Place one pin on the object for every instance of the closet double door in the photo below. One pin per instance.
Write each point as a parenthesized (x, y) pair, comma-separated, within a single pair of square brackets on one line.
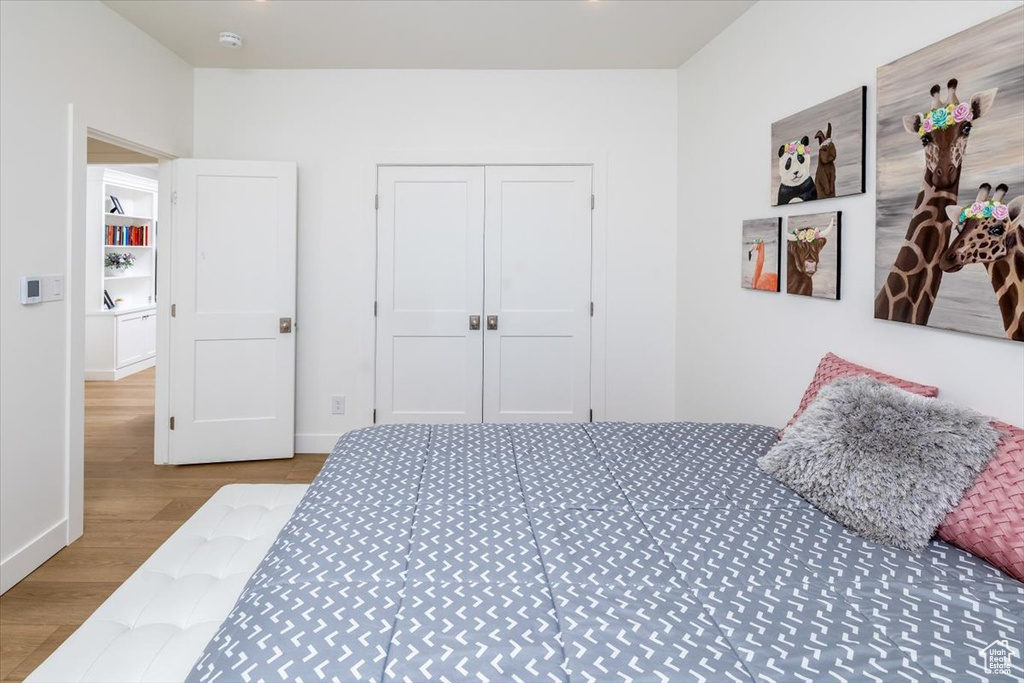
[(483, 294)]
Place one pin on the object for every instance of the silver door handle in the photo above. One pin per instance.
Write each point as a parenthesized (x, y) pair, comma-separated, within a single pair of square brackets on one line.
[(285, 325), (492, 322), (474, 322)]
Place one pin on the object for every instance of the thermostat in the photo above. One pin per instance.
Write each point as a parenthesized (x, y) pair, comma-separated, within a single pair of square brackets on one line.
[(31, 289)]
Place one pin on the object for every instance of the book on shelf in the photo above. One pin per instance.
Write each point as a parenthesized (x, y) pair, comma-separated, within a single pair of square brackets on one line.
[(127, 236)]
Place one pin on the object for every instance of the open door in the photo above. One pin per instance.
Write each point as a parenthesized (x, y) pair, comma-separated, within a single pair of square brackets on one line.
[(231, 360)]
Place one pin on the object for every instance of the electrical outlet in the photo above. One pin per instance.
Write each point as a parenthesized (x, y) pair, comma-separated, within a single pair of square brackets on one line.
[(337, 405)]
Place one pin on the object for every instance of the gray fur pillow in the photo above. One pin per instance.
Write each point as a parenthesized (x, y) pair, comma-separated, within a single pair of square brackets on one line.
[(883, 462)]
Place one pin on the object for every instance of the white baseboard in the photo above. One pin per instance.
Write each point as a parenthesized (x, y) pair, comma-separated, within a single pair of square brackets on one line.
[(28, 558), (121, 373), (315, 443)]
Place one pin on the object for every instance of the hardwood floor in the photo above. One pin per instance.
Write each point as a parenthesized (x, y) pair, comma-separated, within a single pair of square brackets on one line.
[(131, 507)]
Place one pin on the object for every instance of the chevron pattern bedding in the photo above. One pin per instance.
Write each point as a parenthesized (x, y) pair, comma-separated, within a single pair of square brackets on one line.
[(599, 552)]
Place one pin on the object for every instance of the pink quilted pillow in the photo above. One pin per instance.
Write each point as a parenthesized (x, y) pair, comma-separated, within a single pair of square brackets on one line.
[(833, 367), (989, 521)]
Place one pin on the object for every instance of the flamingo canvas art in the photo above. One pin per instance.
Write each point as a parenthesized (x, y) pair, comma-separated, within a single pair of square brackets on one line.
[(761, 254)]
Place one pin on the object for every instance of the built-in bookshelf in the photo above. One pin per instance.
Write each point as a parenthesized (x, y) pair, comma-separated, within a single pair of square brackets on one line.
[(121, 340), (113, 235)]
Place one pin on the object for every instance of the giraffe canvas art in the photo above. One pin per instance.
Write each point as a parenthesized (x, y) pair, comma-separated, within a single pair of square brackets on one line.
[(761, 254), (950, 116), (818, 153), (991, 233), (813, 254)]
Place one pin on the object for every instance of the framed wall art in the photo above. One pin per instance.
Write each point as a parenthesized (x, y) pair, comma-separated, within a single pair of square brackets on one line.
[(950, 181), (761, 255), (813, 254), (818, 153)]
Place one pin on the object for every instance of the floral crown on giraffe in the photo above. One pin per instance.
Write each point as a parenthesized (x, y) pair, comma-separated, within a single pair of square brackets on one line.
[(984, 207), (943, 116)]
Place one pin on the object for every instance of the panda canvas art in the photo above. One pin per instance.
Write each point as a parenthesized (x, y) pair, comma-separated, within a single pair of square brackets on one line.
[(818, 153)]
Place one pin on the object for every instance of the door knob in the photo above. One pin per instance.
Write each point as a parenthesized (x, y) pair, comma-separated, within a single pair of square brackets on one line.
[(285, 325), (492, 322), (474, 322)]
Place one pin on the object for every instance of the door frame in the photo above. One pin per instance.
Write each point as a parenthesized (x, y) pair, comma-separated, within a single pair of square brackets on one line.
[(596, 159), (79, 131)]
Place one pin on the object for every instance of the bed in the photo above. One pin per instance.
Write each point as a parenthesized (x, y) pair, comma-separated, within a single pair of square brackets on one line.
[(598, 552)]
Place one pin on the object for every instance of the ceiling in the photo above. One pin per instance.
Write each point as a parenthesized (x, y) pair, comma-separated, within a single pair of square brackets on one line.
[(434, 34), (102, 152)]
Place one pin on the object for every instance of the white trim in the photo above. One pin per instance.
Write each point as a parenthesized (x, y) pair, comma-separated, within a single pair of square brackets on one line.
[(74, 376), (26, 559), (120, 373), (74, 355), (162, 407), (597, 160), (315, 443), (134, 182)]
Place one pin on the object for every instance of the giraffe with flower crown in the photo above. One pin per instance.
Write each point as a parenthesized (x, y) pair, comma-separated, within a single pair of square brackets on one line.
[(912, 285), (992, 233)]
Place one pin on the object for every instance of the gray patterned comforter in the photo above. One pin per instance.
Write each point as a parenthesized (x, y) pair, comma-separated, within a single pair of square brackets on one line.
[(600, 552)]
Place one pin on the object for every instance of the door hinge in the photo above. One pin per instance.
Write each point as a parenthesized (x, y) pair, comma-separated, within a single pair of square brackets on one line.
[(591, 414), (376, 201), (591, 309), (172, 423), (592, 202), (374, 416), (174, 310), (374, 309), (174, 197)]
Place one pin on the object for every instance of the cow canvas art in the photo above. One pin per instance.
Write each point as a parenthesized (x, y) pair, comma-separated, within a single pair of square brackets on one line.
[(818, 153), (948, 235), (761, 254), (813, 254)]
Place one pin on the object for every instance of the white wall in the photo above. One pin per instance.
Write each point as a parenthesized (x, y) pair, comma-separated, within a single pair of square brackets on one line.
[(53, 54), (332, 122), (746, 355)]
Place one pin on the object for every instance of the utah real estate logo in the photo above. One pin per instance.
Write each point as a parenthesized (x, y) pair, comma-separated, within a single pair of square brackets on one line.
[(997, 657)]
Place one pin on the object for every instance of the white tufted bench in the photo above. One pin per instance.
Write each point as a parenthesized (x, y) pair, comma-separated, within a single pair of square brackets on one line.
[(155, 626)]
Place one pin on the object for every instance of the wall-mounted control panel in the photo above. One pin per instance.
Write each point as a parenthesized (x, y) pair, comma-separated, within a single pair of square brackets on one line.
[(37, 289)]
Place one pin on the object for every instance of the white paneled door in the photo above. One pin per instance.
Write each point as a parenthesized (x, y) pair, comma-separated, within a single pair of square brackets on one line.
[(430, 225), (537, 294), (483, 294), (232, 348)]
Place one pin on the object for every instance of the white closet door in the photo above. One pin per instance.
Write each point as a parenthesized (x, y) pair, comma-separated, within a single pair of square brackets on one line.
[(232, 351), (537, 283), (429, 283)]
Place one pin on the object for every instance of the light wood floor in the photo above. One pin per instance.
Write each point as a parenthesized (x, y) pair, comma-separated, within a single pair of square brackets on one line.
[(131, 507)]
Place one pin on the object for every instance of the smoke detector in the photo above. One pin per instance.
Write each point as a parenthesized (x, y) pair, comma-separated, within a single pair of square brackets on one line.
[(229, 39)]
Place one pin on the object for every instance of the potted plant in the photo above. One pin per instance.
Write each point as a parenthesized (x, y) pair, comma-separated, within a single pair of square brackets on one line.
[(118, 264)]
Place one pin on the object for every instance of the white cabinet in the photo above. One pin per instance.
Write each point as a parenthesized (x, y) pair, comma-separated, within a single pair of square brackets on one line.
[(148, 335), (131, 338), (119, 343)]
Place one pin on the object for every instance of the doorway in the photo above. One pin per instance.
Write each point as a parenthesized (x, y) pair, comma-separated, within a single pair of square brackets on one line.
[(120, 267)]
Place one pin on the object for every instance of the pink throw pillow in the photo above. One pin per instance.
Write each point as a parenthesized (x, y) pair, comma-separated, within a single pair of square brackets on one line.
[(989, 521), (832, 367)]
